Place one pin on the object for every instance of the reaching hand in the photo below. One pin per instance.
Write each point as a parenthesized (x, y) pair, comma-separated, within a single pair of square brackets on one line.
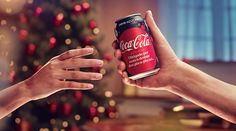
[(167, 58), (51, 77)]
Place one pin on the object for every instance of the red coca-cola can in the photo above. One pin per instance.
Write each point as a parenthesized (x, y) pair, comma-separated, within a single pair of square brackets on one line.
[(136, 45)]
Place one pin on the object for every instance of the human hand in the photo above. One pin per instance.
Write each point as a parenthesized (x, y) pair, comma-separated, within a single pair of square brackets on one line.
[(51, 77), (169, 63)]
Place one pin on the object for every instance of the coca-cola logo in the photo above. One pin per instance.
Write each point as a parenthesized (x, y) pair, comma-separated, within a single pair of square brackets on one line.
[(140, 41)]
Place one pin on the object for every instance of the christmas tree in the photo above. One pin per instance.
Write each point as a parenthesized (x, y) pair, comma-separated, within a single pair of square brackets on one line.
[(44, 29)]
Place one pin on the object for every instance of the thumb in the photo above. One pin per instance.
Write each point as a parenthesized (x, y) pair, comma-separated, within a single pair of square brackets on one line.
[(163, 50)]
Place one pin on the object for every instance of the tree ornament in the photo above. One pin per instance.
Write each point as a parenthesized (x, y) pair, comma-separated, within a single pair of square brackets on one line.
[(52, 42), (23, 34), (24, 125), (85, 7), (31, 49), (107, 57), (77, 8), (92, 24), (23, 19), (87, 40), (53, 107), (93, 111), (38, 11), (78, 96), (67, 109), (59, 19)]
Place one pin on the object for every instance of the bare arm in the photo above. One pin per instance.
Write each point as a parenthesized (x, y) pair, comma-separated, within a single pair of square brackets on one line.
[(184, 80), (50, 79), (206, 91)]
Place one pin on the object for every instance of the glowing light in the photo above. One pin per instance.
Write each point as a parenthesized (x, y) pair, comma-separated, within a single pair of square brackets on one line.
[(94, 104), (96, 31), (67, 27), (77, 8), (101, 109), (65, 124), (17, 120), (68, 41), (60, 17), (112, 103), (108, 94), (8, 10), (178, 108), (3, 22), (96, 119), (77, 117)]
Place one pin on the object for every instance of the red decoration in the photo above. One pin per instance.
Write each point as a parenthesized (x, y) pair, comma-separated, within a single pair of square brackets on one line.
[(52, 42), (24, 125), (23, 19), (67, 109), (23, 34), (38, 11), (78, 96), (12, 76), (93, 112), (53, 107), (107, 57), (85, 6), (88, 40), (31, 48), (110, 109), (77, 8), (92, 24), (59, 19)]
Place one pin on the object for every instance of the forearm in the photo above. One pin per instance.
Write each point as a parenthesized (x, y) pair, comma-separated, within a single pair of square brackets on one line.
[(12, 98), (206, 91)]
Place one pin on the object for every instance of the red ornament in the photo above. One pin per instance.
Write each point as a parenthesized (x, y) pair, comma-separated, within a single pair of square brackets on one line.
[(38, 11), (31, 48), (52, 42), (23, 19), (107, 57), (77, 8), (24, 125), (93, 112), (67, 109), (88, 40), (53, 107), (23, 34), (92, 24), (85, 6), (78, 96), (59, 19), (12, 76)]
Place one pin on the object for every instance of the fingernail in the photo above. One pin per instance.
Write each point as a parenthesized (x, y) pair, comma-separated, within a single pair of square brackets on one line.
[(90, 86), (98, 76), (100, 63), (90, 49)]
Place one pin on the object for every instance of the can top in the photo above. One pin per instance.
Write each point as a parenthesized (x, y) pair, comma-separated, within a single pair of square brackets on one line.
[(127, 17)]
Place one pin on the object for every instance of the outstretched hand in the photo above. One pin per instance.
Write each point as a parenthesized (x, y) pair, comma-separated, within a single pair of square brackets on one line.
[(51, 77)]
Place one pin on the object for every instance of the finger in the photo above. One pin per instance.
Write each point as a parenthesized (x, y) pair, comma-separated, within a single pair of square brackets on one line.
[(164, 51), (75, 53), (115, 44), (75, 85), (117, 54), (79, 63), (121, 66), (79, 75)]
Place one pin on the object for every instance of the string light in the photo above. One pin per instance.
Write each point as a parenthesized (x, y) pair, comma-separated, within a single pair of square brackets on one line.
[(112, 103), (96, 119), (67, 26), (77, 117), (3, 22), (53, 121), (65, 124), (103, 71), (68, 41), (178, 108), (94, 104), (17, 120), (108, 94), (101, 109), (96, 31), (25, 68)]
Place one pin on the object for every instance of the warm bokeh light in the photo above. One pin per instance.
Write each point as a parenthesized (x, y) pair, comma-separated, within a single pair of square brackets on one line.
[(178, 108), (11, 6)]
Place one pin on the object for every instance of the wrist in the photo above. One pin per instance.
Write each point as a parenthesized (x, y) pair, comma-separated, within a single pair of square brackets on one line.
[(25, 89)]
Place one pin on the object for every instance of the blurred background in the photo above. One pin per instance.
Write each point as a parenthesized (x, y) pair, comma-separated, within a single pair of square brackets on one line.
[(202, 33)]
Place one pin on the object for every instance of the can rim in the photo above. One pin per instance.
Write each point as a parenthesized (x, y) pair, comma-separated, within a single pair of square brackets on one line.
[(135, 14)]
